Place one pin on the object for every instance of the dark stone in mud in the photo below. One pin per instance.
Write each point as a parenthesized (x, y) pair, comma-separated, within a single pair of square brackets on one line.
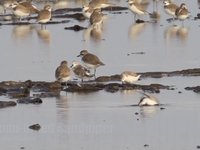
[(146, 145), (195, 89), (29, 100), (75, 28), (35, 127), (198, 146), (139, 21), (136, 113), (162, 108), (4, 104)]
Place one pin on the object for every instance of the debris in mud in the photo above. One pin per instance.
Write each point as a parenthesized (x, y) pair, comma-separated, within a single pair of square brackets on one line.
[(35, 127), (195, 89), (75, 28), (146, 145), (198, 146), (136, 113), (4, 104), (197, 17), (139, 21), (29, 100)]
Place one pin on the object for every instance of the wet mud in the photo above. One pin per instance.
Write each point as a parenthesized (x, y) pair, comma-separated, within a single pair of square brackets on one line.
[(41, 89)]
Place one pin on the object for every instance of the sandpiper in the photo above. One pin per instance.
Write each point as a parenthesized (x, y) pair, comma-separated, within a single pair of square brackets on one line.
[(44, 15), (19, 10), (7, 4), (96, 18), (91, 61), (170, 8), (33, 9), (137, 8), (80, 71), (148, 100), (182, 12), (87, 11), (129, 77), (99, 4), (63, 73)]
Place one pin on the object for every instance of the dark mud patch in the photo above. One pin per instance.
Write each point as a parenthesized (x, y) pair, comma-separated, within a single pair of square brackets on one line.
[(4, 104), (195, 89), (35, 127), (112, 84), (185, 72), (29, 100), (115, 87), (75, 28)]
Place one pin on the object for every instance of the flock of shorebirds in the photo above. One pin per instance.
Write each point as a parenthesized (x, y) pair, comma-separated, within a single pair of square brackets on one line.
[(92, 11)]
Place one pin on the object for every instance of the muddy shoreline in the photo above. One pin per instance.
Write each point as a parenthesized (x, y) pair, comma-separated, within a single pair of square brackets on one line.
[(43, 89)]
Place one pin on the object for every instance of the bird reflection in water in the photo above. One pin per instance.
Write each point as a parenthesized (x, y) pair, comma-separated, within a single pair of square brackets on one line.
[(155, 14), (44, 35), (148, 112), (136, 29), (22, 32), (93, 33), (179, 33)]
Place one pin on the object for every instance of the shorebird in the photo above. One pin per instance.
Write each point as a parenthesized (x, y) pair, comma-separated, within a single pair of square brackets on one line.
[(80, 71), (91, 61), (170, 8), (19, 10), (7, 4), (44, 15), (137, 8), (148, 100), (87, 11), (182, 12), (99, 4), (96, 18), (129, 77), (33, 9), (63, 73)]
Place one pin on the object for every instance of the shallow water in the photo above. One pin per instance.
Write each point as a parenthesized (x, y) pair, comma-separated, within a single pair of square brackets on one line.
[(101, 119)]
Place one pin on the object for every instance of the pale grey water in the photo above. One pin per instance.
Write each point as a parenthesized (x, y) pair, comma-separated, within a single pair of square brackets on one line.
[(103, 120)]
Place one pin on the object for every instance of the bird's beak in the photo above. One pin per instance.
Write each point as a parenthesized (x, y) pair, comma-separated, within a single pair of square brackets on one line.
[(79, 55)]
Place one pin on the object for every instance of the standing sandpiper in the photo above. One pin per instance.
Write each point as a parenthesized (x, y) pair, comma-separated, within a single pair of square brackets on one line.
[(96, 18), (170, 8), (91, 61), (80, 71), (44, 15), (63, 73), (182, 12), (129, 77), (137, 8)]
